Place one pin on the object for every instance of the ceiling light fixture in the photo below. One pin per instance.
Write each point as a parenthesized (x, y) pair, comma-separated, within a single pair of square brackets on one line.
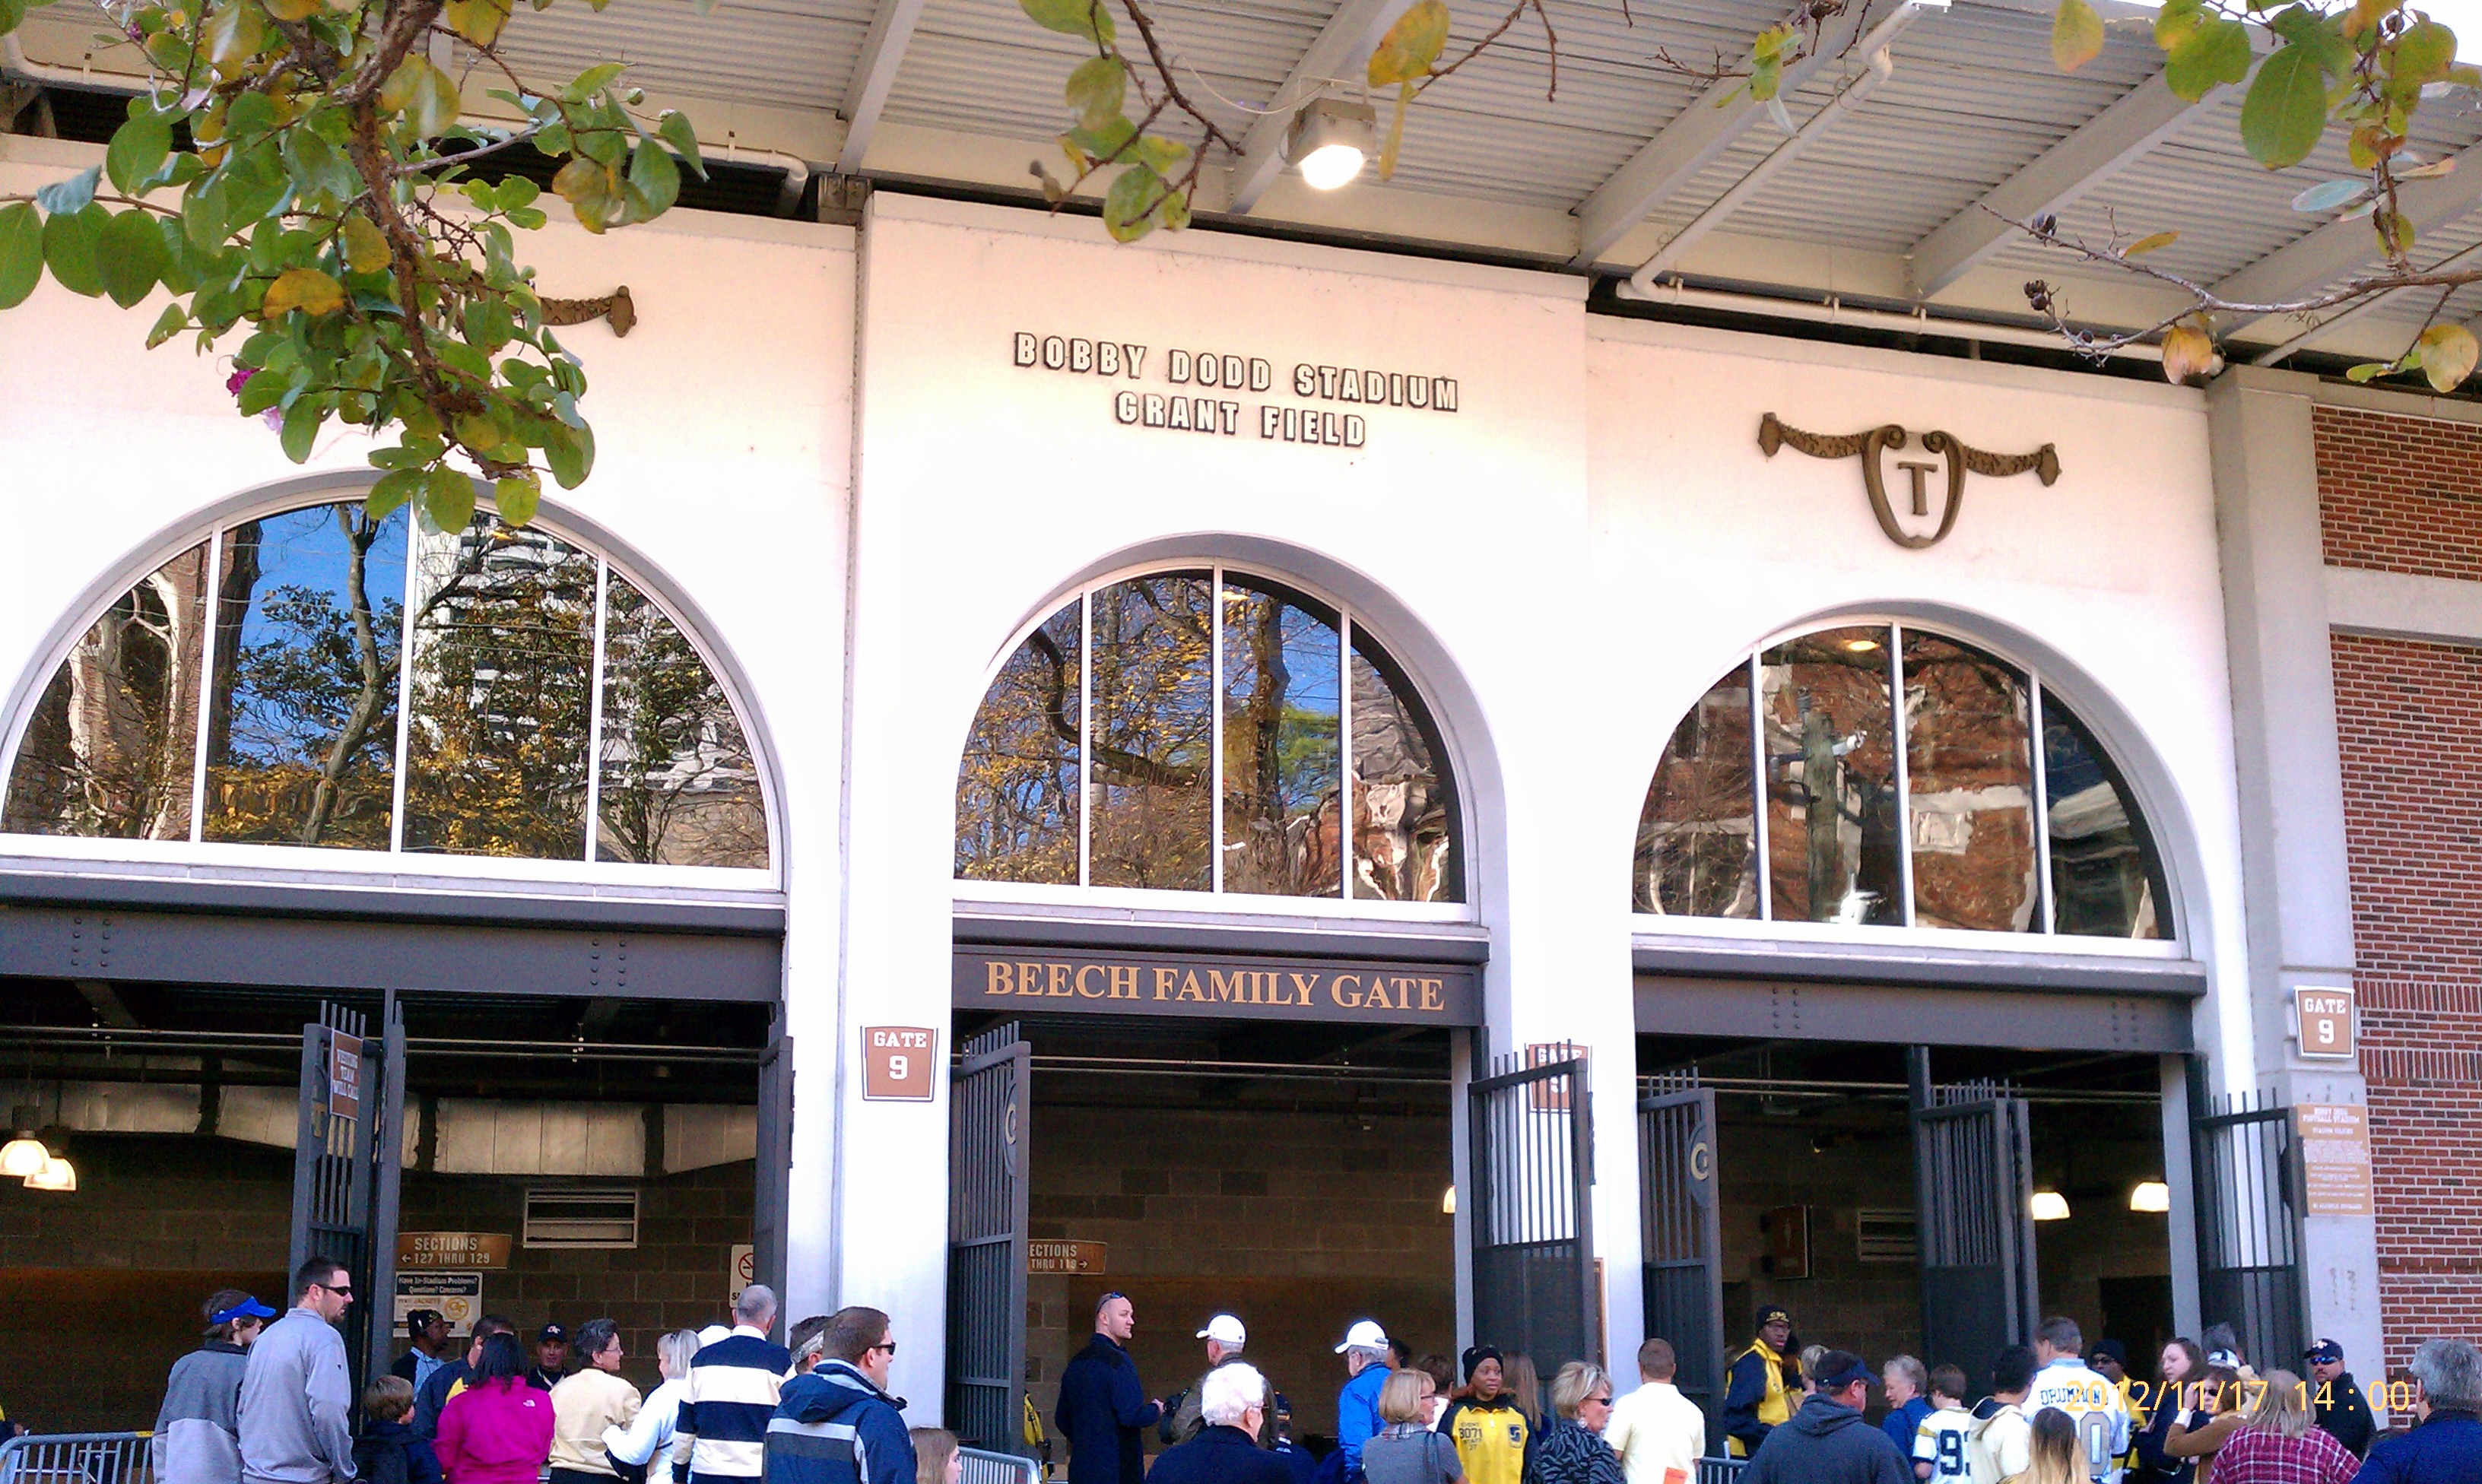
[(2050, 1206), (1448, 1202), (57, 1174), (25, 1154), (1329, 140), (2150, 1195)]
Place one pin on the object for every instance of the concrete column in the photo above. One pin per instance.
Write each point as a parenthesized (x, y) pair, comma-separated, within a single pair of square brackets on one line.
[(2296, 884)]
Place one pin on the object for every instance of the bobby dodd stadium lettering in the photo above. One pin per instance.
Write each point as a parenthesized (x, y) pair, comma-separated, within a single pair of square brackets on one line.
[(1022, 981)]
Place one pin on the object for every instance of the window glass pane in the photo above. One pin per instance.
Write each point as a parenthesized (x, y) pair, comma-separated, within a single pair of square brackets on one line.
[(1403, 803), (111, 748), (677, 785), (1970, 772), (503, 656), (1831, 778), (1283, 774), (302, 714), (1695, 838), (1153, 734), (1016, 787), (2106, 880)]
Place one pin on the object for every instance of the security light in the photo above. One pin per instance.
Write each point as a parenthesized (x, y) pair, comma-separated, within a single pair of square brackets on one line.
[(2050, 1206), (1448, 1202), (57, 1174), (2150, 1195), (1329, 140)]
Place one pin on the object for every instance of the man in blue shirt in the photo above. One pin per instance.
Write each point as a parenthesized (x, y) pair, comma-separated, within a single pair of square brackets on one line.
[(1357, 1406)]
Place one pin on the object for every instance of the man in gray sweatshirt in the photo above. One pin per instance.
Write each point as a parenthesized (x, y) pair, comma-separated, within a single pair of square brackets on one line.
[(297, 1396)]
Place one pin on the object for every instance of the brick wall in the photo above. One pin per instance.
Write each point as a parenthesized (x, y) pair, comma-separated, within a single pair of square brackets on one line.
[(2400, 494)]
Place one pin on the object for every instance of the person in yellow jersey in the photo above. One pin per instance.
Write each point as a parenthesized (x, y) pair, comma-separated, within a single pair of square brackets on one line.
[(1494, 1443), (1764, 1386)]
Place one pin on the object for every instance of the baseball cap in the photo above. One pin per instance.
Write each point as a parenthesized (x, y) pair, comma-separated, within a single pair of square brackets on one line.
[(1838, 1369), (247, 1309), (1365, 1335), (1225, 1329), (420, 1319), (2326, 1352), (552, 1332), (1770, 1315)]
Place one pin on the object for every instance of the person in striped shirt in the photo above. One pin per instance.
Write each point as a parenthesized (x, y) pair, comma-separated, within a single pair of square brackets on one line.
[(734, 1384)]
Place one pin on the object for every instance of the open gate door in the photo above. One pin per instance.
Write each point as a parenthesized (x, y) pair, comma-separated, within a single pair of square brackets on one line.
[(1532, 1143), (772, 1203), (988, 1112), (1682, 1231), (347, 1154), (1973, 1190), (2248, 1224)]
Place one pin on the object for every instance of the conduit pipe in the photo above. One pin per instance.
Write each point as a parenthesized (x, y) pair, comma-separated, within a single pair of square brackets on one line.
[(1834, 311)]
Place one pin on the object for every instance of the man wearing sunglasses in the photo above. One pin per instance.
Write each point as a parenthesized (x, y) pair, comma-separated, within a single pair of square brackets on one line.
[(297, 1397), (836, 1423)]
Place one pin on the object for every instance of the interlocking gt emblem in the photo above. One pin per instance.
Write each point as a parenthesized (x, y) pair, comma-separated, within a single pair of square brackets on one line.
[(1954, 456)]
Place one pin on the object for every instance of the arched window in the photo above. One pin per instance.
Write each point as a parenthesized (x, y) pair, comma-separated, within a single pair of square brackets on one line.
[(1182, 731), (549, 709), (1798, 789)]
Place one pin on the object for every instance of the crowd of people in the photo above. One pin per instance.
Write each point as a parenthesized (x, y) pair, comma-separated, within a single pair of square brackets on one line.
[(262, 1402)]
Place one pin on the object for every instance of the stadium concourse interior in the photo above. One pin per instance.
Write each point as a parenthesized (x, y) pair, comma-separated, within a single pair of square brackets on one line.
[(607, 1143), (1294, 1175), (1814, 1160)]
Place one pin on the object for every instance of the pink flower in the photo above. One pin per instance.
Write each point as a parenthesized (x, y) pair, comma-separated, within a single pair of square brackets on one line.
[(238, 380)]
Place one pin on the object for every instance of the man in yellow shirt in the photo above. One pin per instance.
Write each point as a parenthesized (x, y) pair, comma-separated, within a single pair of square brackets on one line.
[(1764, 1386), (1494, 1441)]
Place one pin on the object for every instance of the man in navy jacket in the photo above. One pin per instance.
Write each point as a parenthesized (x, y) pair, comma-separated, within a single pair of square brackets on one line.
[(836, 1423), (1102, 1408), (2445, 1446)]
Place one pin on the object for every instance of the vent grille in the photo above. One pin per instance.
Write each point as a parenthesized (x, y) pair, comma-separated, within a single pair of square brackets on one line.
[(581, 1218), (1886, 1237)]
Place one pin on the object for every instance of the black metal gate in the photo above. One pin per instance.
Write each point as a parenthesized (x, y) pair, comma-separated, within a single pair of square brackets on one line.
[(1532, 1144), (771, 1201), (988, 1110), (1680, 1229), (348, 1152), (1973, 1194), (2248, 1225)]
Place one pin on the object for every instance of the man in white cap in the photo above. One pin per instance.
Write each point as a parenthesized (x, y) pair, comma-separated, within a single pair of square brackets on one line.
[(1225, 1339), (1357, 1406)]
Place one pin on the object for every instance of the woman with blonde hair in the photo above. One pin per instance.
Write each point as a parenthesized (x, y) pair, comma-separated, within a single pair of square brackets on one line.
[(935, 1459), (1572, 1450), (646, 1442), (1407, 1451), (2054, 1446), (2281, 1445)]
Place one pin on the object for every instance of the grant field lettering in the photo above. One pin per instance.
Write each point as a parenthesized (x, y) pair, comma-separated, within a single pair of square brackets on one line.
[(1150, 984), (1227, 372)]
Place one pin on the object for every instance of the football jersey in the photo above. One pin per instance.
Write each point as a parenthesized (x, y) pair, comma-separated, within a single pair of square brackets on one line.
[(2094, 1404), (1940, 1441)]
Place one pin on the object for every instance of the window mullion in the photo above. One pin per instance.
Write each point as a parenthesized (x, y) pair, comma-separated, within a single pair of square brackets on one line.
[(1085, 736), (210, 604), (1759, 783), (1215, 728), (2042, 801), (1901, 731), (594, 711), (1344, 841), (404, 629)]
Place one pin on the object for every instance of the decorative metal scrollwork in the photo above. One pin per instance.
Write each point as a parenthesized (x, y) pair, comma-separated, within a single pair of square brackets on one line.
[(1953, 453)]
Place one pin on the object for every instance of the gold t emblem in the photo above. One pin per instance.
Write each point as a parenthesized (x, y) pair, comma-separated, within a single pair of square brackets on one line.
[(1953, 460)]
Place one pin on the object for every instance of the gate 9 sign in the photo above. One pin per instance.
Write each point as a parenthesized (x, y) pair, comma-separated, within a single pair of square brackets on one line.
[(897, 1062)]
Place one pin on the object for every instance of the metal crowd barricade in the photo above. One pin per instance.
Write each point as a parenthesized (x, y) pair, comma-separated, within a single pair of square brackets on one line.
[(1710, 1471), (982, 1466), (77, 1458)]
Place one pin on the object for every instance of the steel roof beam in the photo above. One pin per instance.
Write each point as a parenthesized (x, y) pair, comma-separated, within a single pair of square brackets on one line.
[(1348, 36), (2099, 149), (882, 53), (2317, 259)]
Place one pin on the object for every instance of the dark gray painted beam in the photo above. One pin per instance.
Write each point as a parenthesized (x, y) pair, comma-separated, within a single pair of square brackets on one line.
[(60, 888), (1861, 964), (1456, 944), (2023, 1019)]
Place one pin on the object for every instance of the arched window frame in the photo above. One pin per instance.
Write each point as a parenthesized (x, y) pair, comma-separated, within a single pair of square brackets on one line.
[(2039, 682), (324, 862), (1216, 901)]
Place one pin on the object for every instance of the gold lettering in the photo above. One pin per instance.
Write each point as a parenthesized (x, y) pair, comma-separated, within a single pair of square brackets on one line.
[(1124, 982), (1336, 990), (1029, 978), (1305, 983), (1058, 981), (1163, 982), (996, 980), (1083, 993), (1234, 988), (1189, 989), (1431, 999)]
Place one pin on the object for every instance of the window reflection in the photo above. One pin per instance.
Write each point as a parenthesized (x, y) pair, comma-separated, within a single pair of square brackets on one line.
[(677, 786), (111, 749), (503, 656), (302, 713), (2106, 880), (1831, 778), (1017, 786), (1283, 770), (1970, 781), (1403, 806), (1149, 814), (1696, 838)]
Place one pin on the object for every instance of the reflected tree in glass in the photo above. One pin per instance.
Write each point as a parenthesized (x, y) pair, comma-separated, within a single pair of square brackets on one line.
[(301, 712), (1149, 817), (1969, 780), (111, 748), (1831, 797), (2106, 879), (1403, 803), (1697, 835), (677, 786), (1283, 770), (503, 656), (1016, 784)]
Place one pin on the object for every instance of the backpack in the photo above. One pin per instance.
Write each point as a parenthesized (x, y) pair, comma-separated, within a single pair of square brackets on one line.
[(1337, 1468)]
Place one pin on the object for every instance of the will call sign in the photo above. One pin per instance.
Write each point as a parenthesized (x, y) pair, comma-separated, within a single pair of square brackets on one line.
[(1048, 981), (1207, 388)]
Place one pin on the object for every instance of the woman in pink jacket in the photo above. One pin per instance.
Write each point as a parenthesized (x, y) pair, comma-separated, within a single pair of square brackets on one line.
[(498, 1429)]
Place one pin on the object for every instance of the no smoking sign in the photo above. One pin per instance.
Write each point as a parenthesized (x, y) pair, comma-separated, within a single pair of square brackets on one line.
[(897, 1062)]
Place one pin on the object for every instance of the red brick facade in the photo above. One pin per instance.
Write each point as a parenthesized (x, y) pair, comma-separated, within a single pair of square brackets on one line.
[(2409, 717)]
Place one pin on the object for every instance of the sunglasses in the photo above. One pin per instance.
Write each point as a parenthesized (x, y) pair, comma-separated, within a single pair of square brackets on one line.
[(345, 1288), (887, 1345)]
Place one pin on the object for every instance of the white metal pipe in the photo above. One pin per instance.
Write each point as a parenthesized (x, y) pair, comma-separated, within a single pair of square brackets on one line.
[(16, 64), (1833, 312)]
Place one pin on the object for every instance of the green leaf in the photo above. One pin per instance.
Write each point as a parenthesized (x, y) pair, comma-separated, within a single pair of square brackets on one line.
[(1411, 46), (64, 196), (366, 249), (424, 95), (1163, 156), (301, 430), (393, 489), (592, 80), (1766, 75), (1129, 206), (656, 178), (2216, 52), (516, 194), (21, 254), (2448, 352), (675, 129), (1086, 18), (2423, 53), (306, 289), (447, 501), (2076, 35), (2369, 370), (69, 242), (174, 318), (592, 189), (2285, 110), (2316, 33), (260, 392), (517, 498), (2329, 195), (233, 34), (2176, 20), (1098, 88), (137, 151), (571, 453), (130, 256)]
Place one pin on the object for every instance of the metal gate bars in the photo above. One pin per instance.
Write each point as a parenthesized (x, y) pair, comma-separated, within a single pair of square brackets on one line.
[(346, 1154), (987, 1108), (1533, 1256), (2248, 1224), (1680, 1228), (1973, 1194)]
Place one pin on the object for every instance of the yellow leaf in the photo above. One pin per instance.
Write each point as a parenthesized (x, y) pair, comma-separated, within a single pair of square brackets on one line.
[(2149, 243), (2435, 167), (592, 191), (2366, 13), (2076, 35), (1395, 141), (306, 289), (366, 252), (2188, 351), (478, 21), (292, 9), (1412, 45), (2448, 352)]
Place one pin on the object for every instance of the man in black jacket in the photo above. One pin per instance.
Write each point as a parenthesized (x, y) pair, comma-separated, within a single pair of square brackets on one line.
[(2340, 1407), (1232, 1402), (1102, 1408), (1827, 1442)]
